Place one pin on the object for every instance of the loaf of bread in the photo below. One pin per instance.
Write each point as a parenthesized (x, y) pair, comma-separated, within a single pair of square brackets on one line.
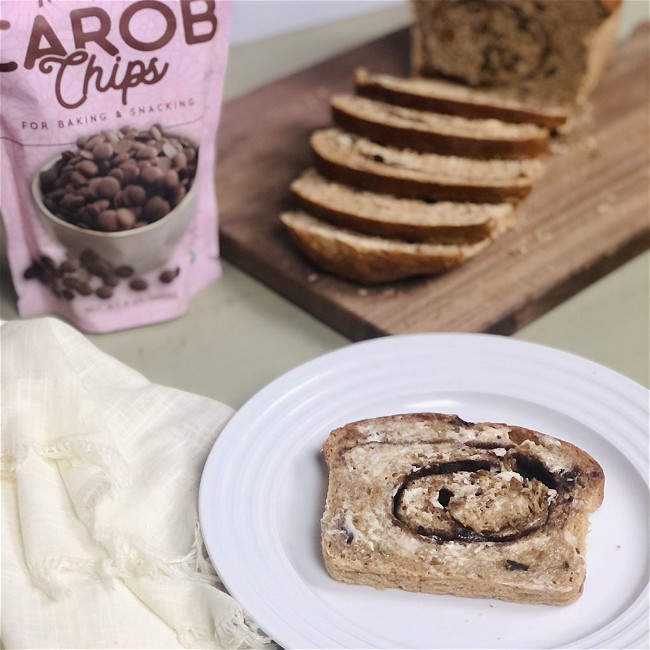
[(403, 182), (545, 52), (446, 97), (408, 128), (384, 215), (370, 260), (354, 160), (431, 503)]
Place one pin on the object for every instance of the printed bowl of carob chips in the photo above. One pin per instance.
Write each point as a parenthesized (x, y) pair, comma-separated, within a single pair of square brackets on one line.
[(124, 197)]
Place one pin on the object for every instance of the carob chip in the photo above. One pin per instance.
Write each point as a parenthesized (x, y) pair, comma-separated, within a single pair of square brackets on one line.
[(111, 171), (87, 274), (138, 284), (168, 275), (512, 565)]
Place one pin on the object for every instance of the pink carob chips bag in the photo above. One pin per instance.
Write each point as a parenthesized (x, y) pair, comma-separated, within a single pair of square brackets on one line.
[(108, 126)]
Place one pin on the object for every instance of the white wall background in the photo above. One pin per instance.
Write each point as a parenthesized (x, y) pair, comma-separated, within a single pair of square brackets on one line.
[(258, 19)]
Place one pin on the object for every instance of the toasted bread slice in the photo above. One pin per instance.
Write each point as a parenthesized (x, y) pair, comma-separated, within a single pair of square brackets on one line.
[(431, 503)]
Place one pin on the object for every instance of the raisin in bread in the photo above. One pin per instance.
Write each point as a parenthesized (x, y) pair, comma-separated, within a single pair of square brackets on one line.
[(354, 160), (409, 128), (431, 503), (545, 52), (367, 259), (446, 97), (385, 215)]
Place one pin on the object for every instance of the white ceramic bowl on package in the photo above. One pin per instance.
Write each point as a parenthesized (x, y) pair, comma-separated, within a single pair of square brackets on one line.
[(144, 249)]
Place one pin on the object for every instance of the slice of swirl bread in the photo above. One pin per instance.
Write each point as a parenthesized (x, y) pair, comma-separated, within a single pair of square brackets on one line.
[(431, 503), (446, 97), (408, 128), (371, 260), (353, 160), (384, 215)]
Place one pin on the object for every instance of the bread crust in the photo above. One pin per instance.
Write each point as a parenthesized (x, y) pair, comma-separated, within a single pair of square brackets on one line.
[(483, 107), (384, 215), (334, 162), (382, 181), (383, 131), (611, 5), (371, 260), (431, 503)]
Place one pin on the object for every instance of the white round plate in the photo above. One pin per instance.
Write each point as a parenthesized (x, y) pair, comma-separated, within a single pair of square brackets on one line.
[(263, 493)]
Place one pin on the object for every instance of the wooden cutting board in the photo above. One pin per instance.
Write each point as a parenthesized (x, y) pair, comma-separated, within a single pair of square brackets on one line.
[(585, 217)]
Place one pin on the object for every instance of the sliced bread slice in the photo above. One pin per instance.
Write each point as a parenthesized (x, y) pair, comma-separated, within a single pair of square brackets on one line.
[(385, 215), (409, 128), (431, 503), (450, 98), (353, 160), (370, 260)]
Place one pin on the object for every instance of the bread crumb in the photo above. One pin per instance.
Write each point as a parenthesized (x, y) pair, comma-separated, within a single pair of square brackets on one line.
[(591, 145), (543, 237), (557, 147), (520, 249), (313, 277)]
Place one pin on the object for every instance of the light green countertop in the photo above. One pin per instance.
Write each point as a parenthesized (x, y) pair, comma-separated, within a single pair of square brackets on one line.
[(238, 335)]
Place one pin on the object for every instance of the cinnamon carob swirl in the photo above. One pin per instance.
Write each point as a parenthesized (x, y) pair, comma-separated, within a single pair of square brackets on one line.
[(428, 502)]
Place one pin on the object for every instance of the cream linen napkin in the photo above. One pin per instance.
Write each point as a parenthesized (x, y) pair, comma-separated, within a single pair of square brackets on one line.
[(101, 544)]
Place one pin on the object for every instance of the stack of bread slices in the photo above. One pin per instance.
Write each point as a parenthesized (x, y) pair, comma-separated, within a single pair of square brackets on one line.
[(415, 177)]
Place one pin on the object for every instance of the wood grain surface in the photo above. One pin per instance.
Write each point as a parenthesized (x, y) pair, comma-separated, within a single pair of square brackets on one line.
[(588, 214)]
